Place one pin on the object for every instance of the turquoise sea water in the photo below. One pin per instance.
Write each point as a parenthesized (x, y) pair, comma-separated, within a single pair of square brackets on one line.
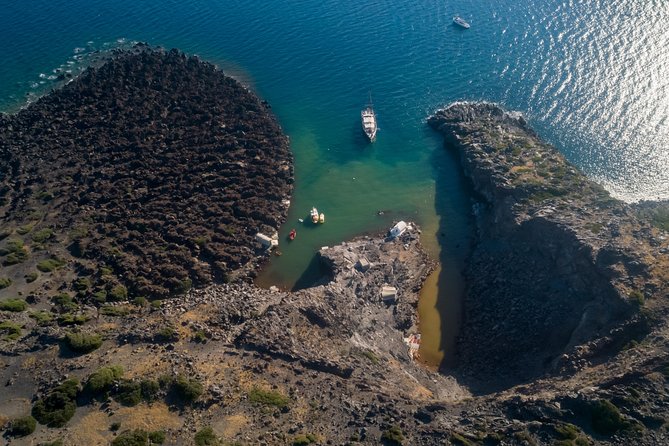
[(591, 76)]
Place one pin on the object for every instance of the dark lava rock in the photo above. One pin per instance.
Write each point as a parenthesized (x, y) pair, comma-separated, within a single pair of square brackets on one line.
[(155, 163), (557, 263)]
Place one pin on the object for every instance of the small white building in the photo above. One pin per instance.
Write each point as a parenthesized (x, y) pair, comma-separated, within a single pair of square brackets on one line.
[(388, 294), (363, 264), (398, 229), (266, 242)]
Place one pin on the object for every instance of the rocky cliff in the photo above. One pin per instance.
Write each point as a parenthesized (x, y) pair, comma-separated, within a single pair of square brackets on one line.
[(559, 268)]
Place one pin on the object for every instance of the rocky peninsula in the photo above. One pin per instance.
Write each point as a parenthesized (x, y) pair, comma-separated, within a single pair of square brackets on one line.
[(130, 201)]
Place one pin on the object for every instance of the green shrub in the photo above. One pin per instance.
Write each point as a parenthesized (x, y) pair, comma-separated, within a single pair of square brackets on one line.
[(371, 356), (11, 330), (42, 235), (304, 439), (109, 310), (62, 299), (165, 381), (53, 443), (166, 334), (568, 431), (13, 304), (129, 393), (100, 296), (15, 258), (5, 282), (200, 337), (456, 439), (23, 230), (637, 298), (140, 301), (187, 389), (31, 277), (392, 435), (42, 317), (102, 379), (157, 437), (137, 437), (105, 271), (115, 426), (118, 293), (14, 251), (82, 284), (22, 426), (149, 389), (49, 265), (155, 304), (606, 418), (206, 437), (44, 195), (184, 286), (67, 319), (83, 342), (268, 398), (56, 409)]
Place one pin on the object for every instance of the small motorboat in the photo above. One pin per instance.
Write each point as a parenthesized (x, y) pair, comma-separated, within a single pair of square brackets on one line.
[(292, 234), (314, 215), (460, 22), (301, 220), (321, 218)]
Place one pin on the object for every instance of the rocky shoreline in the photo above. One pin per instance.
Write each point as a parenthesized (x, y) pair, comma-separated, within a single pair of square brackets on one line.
[(154, 164), (564, 339)]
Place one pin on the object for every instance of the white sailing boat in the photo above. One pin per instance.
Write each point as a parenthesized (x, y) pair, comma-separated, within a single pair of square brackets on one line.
[(369, 121)]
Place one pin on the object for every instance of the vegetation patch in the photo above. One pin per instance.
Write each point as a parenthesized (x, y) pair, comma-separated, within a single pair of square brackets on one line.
[(82, 284), (371, 356), (392, 436), (109, 310), (49, 265), (62, 299), (14, 252), (149, 389), (5, 282), (69, 319), (268, 398), (129, 393), (118, 293), (25, 229), (206, 437), (305, 439), (157, 437), (22, 426), (637, 298), (10, 330), (13, 304), (135, 437), (187, 389), (42, 317), (42, 235), (606, 418), (166, 334), (81, 342), (56, 409), (31, 277), (102, 379)]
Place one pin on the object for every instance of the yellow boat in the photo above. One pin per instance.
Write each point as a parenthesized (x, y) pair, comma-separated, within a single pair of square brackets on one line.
[(321, 218)]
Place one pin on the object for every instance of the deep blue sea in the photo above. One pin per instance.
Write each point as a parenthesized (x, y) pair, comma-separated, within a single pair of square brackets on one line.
[(591, 76)]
